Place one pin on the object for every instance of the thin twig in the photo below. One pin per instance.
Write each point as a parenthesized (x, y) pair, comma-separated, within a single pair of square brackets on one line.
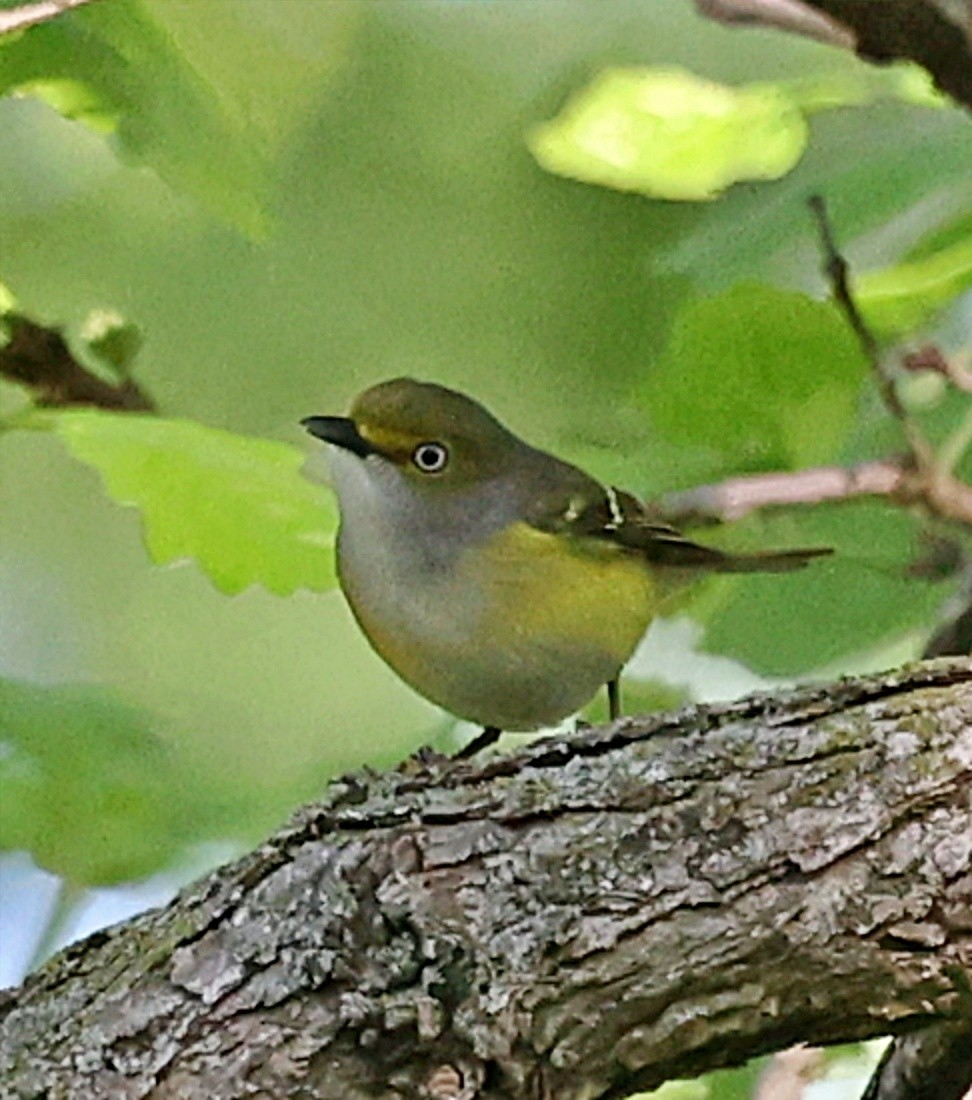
[(836, 268), (951, 451), (737, 497), (893, 479), (930, 480), (956, 368), (29, 15), (787, 15)]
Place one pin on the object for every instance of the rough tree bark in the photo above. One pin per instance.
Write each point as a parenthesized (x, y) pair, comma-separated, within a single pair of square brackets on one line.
[(589, 916)]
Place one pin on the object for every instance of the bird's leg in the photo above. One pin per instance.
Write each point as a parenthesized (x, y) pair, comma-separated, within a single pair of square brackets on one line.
[(489, 736), (614, 699)]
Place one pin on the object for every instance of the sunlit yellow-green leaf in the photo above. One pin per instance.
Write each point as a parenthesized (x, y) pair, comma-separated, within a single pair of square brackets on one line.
[(74, 100), (899, 299), (669, 134), (860, 87), (236, 505), (8, 303)]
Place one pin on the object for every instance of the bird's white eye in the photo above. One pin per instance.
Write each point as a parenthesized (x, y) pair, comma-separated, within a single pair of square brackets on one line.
[(430, 458)]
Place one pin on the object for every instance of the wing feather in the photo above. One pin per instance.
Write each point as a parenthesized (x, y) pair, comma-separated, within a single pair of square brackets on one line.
[(589, 510)]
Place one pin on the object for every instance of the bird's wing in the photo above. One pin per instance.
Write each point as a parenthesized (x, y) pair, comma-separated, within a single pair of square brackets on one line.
[(590, 510)]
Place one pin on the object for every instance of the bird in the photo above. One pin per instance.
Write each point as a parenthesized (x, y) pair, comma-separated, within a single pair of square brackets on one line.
[(501, 583)]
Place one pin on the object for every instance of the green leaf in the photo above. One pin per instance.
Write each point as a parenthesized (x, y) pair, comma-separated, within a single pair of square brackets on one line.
[(8, 305), (763, 377), (911, 154), (637, 697), (863, 85), (115, 68), (728, 1084), (669, 134), (677, 1090), (237, 505), (85, 785), (835, 608), (901, 298), (953, 231), (735, 1084)]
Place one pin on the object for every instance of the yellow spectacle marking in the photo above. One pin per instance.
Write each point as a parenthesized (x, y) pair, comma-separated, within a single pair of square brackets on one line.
[(388, 441)]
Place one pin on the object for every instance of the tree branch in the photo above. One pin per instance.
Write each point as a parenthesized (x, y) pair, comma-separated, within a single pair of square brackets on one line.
[(592, 915), (837, 271), (938, 493), (39, 358), (786, 15), (919, 477), (738, 497), (935, 33), (30, 15), (934, 1064)]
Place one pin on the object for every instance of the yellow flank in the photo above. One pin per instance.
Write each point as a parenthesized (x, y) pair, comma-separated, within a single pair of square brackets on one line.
[(589, 593), (524, 630)]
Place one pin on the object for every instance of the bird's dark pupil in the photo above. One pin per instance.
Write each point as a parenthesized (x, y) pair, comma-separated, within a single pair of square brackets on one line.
[(430, 457)]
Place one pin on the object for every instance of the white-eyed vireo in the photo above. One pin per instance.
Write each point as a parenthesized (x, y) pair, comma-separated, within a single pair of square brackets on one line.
[(499, 582)]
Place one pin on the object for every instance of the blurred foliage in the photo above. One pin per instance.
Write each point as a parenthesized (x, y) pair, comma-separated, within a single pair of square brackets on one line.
[(88, 787), (679, 1090), (235, 505), (900, 299), (761, 378), (666, 133), (730, 1084), (276, 203), (854, 601), (637, 697), (115, 68), (841, 1077)]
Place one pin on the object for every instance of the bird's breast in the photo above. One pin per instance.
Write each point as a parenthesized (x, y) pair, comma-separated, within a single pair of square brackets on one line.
[(517, 632)]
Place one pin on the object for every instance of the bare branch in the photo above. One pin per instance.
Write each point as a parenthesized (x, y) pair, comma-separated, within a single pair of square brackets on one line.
[(931, 482), (30, 15), (39, 358), (836, 267), (786, 15), (936, 34), (936, 491), (933, 1064), (931, 358), (737, 497), (918, 478)]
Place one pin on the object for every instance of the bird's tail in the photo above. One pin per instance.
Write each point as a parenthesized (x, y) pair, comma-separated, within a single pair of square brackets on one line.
[(673, 549), (767, 561)]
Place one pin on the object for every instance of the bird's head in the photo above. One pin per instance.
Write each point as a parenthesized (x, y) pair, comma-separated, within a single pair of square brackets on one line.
[(436, 438)]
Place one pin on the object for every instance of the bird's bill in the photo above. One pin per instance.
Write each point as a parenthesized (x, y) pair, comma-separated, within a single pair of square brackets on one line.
[(341, 432)]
